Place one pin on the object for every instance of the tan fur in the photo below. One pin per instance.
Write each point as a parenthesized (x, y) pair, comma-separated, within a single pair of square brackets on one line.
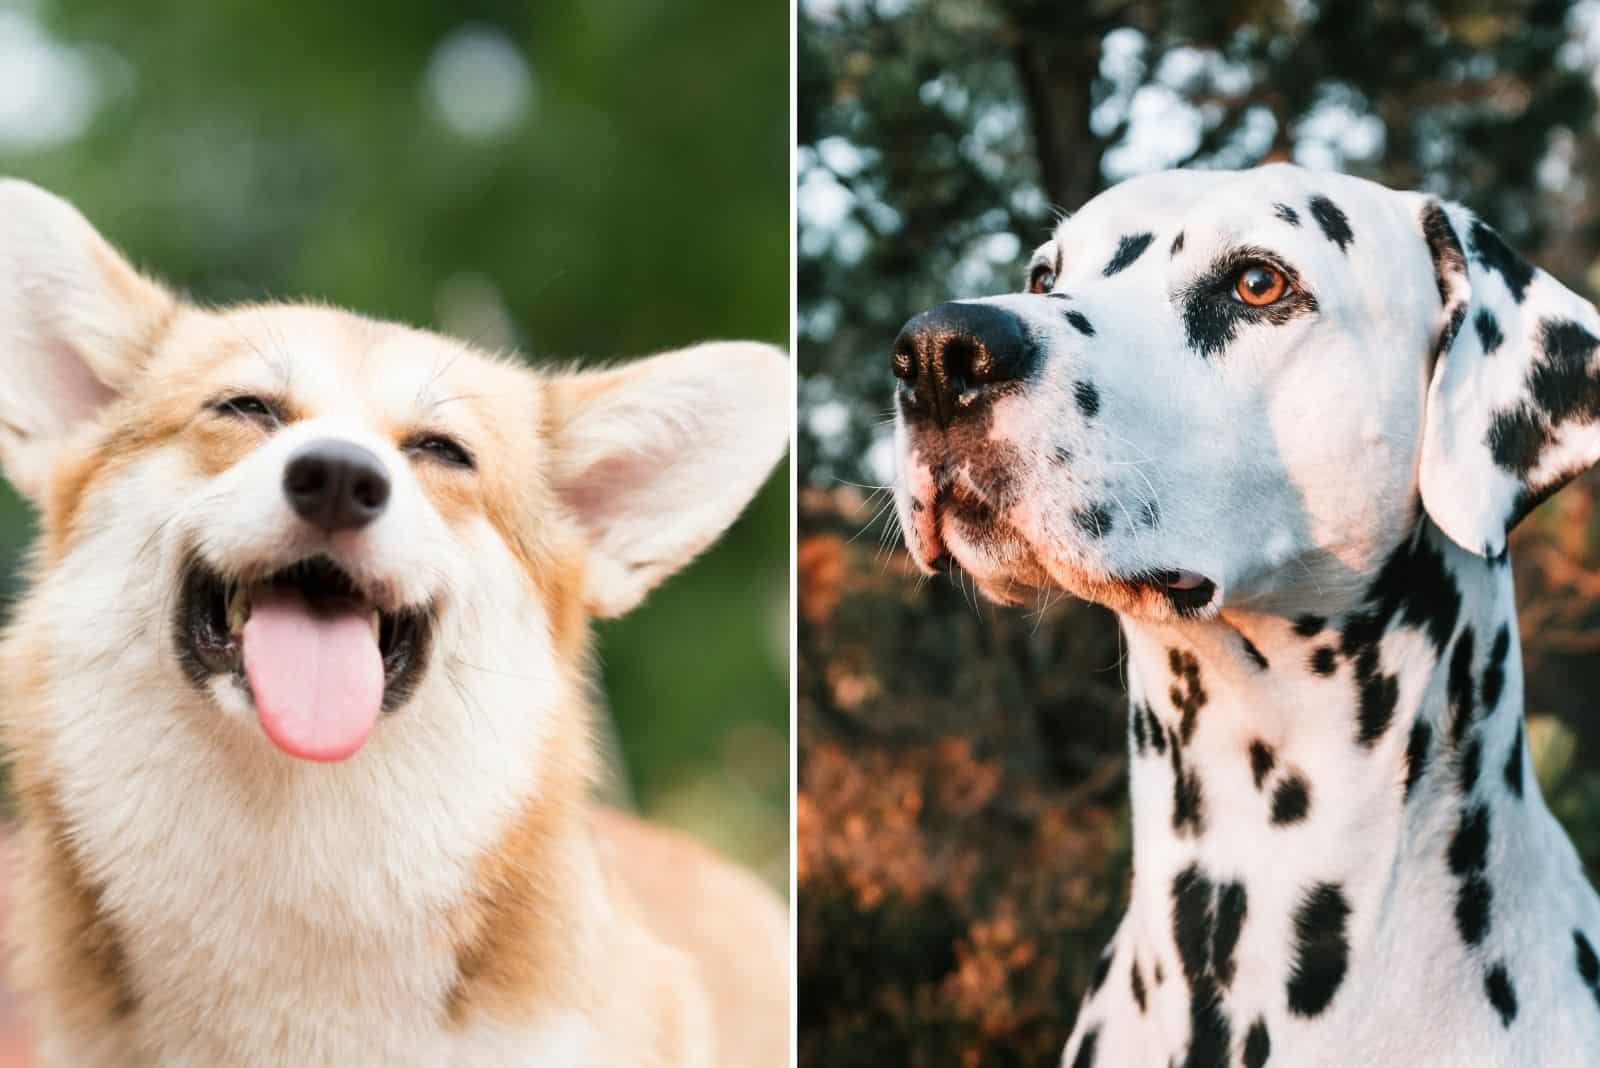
[(567, 929), (667, 880), (511, 934), (74, 947)]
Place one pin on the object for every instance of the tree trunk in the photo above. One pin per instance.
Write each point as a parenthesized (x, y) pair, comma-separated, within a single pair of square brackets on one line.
[(1056, 74)]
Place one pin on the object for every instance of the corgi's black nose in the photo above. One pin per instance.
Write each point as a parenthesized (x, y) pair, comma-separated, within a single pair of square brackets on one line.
[(945, 356), (337, 485)]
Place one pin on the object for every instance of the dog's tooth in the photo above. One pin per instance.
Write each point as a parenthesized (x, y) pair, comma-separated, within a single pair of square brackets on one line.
[(377, 622), (238, 608)]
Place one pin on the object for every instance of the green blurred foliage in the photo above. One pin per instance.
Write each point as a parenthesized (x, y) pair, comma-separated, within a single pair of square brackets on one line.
[(961, 790), (598, 179)]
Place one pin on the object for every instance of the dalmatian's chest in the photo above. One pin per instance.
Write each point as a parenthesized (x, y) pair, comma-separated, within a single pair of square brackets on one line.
[(1341, 855)]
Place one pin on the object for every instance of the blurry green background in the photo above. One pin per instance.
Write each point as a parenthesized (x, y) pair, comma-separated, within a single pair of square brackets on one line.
[(962, 825), (586, 179)]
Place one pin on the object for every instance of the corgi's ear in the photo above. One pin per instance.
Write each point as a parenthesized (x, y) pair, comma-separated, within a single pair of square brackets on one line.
[(76, 323), (657, 457), (1513, 408)]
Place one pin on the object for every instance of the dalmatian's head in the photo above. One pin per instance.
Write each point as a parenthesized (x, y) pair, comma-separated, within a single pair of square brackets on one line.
[(1233, 389)]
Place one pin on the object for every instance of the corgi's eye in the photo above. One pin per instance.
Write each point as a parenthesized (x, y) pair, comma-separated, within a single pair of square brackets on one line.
[(441, 448), (251, 407)]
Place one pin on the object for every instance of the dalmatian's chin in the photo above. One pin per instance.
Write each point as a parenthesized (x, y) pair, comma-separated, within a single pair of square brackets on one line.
[(1001, 564), (1007, 567), (1156, 593)]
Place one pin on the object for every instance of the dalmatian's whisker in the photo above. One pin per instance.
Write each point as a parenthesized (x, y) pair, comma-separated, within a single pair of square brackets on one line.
[(886, 506), (1127, 516), (1139, 466), (873, 486)]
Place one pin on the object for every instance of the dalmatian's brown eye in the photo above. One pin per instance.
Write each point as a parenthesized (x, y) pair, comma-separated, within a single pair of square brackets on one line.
[(1259, 285), (1041, 279)]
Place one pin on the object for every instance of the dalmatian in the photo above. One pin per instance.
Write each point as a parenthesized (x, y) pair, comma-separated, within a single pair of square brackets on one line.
[(1281, 422)]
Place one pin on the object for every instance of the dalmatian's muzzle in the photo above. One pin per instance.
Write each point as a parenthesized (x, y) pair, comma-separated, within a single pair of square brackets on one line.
[(953, 363)]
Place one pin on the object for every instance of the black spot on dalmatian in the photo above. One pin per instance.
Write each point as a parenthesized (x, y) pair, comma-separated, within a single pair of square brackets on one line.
[(1377, 694), (1062, 455), (1417, 754), (1136, 726), (1309, 626), (1469, 846), (1335, 224), (1137, 982), (1232, 905), (1291, 801), (1449, 273), (1254, 654), (1414, 588), (1471, 764), (1416, 584), (1287, 214), (1094, 521), (1473, 901), (1469, 857), (1210, 1033), (1192, 920), (1150, 515), (1458, 687), (1321, 949), (1513, 769), (1160, 975), (1488, 331), (1561, 387), (1588, 962), (1205, 927), (1177, 244), (1188, 696), (1088, 398), (1494, 672), (1261, 761), (1213, 315), (1188, 801), (1493, 254), (1322, 660), (1130, 248), (1158, 737), (1447, 334), (1497, 984), (1079, 322), (1085, 1057), (1257, 1044), (1444, 247)]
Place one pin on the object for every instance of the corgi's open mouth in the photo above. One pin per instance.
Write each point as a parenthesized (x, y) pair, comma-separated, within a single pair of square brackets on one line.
[(319, 660)]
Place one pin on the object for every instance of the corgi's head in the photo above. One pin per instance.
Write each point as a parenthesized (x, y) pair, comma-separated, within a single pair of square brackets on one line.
[(304, 518)]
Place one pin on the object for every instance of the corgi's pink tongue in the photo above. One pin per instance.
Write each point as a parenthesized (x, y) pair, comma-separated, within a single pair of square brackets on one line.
[(316, 674)]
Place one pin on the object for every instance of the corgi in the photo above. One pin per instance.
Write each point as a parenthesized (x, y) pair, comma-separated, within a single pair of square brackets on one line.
[(295, 696)]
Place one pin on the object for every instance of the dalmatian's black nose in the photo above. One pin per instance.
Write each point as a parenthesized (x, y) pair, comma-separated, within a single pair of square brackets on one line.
[(947, 355)]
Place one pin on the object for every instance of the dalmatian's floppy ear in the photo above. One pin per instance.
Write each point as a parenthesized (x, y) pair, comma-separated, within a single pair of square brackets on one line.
[(1513, 408)]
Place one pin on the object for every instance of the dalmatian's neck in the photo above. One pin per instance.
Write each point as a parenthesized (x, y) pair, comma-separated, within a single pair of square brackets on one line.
[(1335, 823)]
